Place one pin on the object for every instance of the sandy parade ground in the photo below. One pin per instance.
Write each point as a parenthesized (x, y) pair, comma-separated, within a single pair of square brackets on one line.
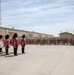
[(38, 60)]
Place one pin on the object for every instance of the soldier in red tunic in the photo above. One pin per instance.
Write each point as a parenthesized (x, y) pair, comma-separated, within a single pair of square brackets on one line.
[(7, 43), (23, 42), (15, 43)]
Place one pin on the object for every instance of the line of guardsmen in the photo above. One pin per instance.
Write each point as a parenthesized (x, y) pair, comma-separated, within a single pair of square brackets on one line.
[(14, 42), (50, 41)]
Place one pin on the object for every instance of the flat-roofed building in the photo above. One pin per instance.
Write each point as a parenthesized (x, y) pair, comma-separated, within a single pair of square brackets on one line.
[(67, 35), (29, 35)]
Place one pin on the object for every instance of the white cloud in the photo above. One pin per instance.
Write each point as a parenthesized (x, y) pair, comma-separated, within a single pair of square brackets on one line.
[(33, 16)]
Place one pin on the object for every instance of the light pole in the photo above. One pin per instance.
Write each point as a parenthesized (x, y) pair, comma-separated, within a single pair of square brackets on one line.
[(0, 15)]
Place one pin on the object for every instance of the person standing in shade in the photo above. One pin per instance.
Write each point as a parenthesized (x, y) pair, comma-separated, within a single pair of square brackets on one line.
[(15, 43), (1, 43), (7, 43), (23, 42)]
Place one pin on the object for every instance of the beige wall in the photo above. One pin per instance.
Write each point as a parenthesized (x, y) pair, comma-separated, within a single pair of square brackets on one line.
[(0, 31), (28, 34), (3, 32), (66, 35)]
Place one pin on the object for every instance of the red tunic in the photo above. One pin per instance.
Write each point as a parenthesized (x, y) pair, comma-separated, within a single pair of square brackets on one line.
[(7, 43), (15, 42), (23, 42)]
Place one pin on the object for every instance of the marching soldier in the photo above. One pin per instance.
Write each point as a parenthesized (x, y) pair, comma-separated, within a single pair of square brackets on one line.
[(15, 43), (23, 42), (7, 42), (1, 43)]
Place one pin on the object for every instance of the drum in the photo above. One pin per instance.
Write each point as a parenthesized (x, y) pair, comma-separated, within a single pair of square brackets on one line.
[(1, 44)]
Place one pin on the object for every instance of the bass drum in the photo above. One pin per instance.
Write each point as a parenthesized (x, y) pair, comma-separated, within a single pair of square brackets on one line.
[(1, 44)]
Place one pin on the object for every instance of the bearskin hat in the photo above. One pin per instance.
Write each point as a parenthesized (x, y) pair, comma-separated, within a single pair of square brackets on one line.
[(7, 37), (0, 36), (15, 35), (23, 36)]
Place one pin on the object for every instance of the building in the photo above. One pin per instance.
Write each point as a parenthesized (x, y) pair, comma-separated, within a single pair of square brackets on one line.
[(29, 35), (66, 35)]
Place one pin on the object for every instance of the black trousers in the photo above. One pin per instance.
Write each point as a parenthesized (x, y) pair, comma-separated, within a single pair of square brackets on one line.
[(15, 51), (0, 49), (6, 51), (23, 50)]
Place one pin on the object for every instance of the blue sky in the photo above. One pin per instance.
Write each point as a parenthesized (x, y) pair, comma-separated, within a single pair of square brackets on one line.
[(30, 15)]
